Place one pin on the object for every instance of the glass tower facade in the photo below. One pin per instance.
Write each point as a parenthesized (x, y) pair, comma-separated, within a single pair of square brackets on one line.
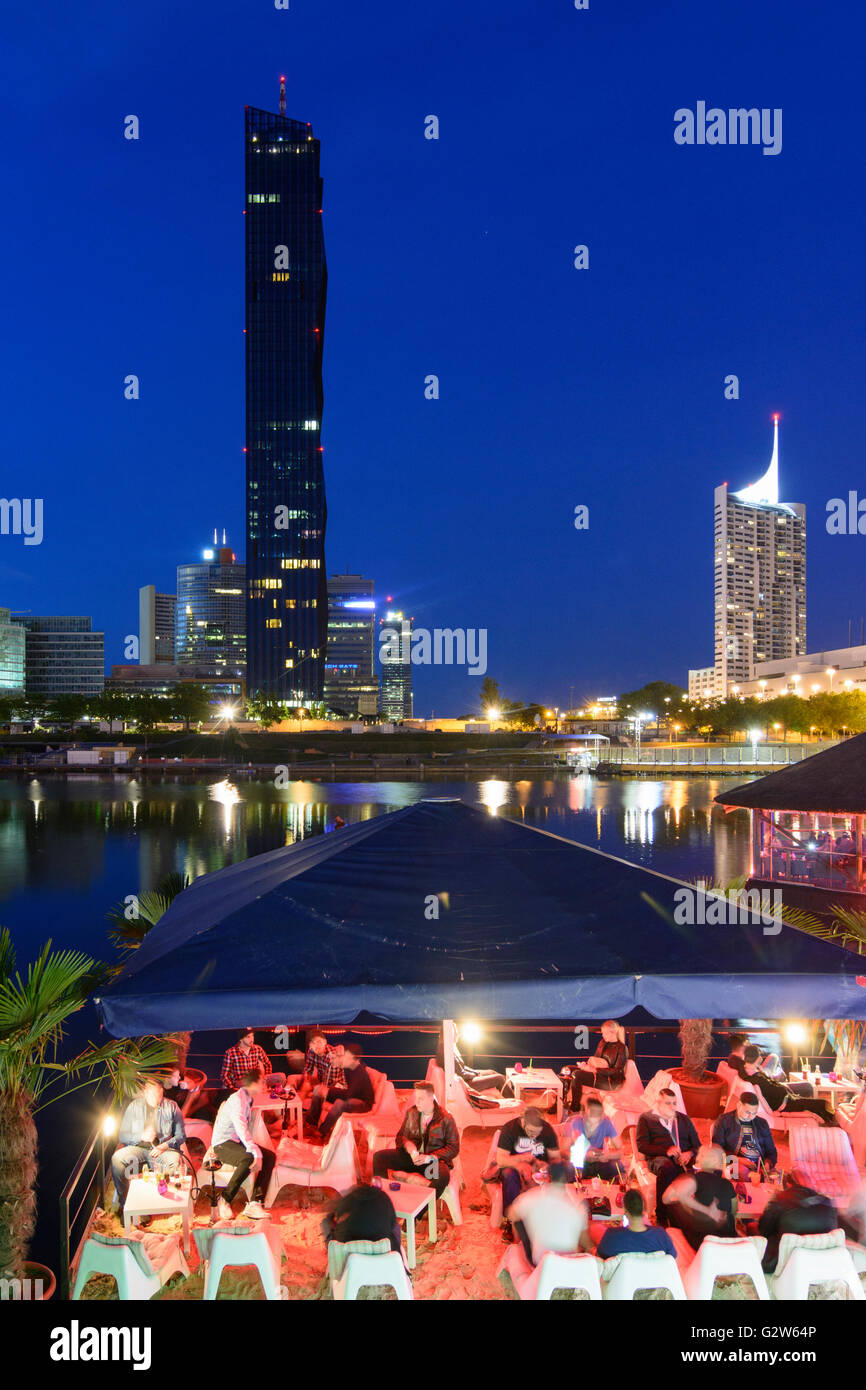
[(351, 683), (211, 615), (63, 656), (286, 284), (395, 656), (12, 645)]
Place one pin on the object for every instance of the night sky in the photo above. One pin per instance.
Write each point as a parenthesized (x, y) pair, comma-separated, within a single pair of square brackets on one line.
[(454, 257)]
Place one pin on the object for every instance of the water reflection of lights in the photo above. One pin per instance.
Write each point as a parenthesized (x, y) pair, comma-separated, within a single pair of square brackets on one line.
[(36, 795), (494, 794), (227, 794), (642, 799)]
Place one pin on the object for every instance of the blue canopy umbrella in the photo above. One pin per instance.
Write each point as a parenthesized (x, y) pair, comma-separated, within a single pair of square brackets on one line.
[(444, 911)]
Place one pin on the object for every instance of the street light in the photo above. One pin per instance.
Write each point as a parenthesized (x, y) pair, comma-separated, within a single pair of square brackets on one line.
[(830, 671)]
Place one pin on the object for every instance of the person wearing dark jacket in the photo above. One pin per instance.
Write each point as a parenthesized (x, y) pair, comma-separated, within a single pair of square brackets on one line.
[(744, 1135), (363, 1213), (355, 1095), (605, 1070), (778, 1095), (475, 1080), (669, 1142), (796, 1210), (427, 1142)]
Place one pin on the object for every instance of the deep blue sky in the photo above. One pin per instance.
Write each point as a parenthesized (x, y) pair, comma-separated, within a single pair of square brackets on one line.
[(558, 387)]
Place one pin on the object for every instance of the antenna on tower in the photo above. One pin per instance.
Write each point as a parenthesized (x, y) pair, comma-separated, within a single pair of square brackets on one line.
[(282, 96), (224, 535), (215, 535)]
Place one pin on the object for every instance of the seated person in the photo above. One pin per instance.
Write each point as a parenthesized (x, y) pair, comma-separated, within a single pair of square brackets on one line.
[(796, 1210), (364, 1213), (636, 1237), (703, 1202), (669, 1142), (526, 1145), (428, 1132), (322, 1066), (233, 1144), (591, 1142), (354, 1095), (744, 1135), (177, 1088), (606, 1069), (738, 1042), (245, 1056), (475, 1080), (780, 1097), (151, 1132), (550, 1216)]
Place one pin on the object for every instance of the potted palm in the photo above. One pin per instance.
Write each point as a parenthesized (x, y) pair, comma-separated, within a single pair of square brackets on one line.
[(132, 919), (701, 1089), (33, 1010)]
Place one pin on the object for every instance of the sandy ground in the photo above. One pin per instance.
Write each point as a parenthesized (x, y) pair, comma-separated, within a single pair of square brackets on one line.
[(460, 1265)]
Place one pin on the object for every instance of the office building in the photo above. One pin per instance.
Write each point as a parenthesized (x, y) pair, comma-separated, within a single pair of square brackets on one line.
[(160, 679), (63, 656), (759, 581), (286, 283), (156, 626), (211, 615), (395, 656), (351, 683), (12, 650), (835, 672)]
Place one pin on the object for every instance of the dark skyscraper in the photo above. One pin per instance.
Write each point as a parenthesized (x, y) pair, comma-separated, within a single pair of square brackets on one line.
[(286, 282)]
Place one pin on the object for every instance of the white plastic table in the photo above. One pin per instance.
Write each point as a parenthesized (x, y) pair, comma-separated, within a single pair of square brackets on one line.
[(264, 1102), (831, 1090), (145, 1199), (538, 1079), (409, 1200)]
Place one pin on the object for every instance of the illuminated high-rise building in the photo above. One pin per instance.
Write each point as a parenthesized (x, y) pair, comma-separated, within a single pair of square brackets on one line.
[(351, 683), (156, 626), (395, 656), (210, 633), (286, 283), (760, 577)]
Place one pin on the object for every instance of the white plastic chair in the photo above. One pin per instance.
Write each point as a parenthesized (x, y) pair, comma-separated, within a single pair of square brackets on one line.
[(221, 1177), (852, 1118), (436, 1076), (303, 1165), (560, 1272), (623, 1276), (365, 1271), (126, 1261), (451, 1197), (494, 1189), (822, 1158), (776, 1120), (491, 1116), (232, 1249), (724, 1255), (808, 1260), (199, 1129)]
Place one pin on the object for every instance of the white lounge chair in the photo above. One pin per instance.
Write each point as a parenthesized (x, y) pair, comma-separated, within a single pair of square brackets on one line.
[(808, 1260), (851, 1117), (126, 1260), (233, 1247), (303, 1165), (775, 1119), (624, 1276), (221, 1177), (492, 1115), (822, 1158), (553, 1272), (724, 1255)]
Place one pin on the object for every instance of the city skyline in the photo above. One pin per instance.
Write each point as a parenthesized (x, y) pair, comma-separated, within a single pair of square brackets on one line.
[(557, 386)]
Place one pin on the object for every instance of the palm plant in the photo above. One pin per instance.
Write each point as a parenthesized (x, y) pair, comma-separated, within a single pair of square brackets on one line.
[(33, 1011), (131, 921), (696, 1042)]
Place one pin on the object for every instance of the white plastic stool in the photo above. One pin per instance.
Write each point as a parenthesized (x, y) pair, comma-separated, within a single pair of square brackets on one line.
[(635, 1272), (554, 1272), (800, 1266), (233, 1249), (365, 1271), (723, 1255)]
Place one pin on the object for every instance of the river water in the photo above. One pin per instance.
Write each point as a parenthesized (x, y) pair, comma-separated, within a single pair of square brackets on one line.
[(71, 848)]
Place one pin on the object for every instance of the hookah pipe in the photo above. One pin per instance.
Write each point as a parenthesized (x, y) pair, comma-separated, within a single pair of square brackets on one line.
[(289, 1094), (212, 1166)]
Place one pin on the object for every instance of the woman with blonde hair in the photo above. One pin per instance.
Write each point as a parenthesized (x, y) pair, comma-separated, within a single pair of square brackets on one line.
[(605, 1070)]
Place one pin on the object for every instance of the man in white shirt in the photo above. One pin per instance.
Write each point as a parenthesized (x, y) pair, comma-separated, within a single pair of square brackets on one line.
[(233, 1143), (550, 1216)]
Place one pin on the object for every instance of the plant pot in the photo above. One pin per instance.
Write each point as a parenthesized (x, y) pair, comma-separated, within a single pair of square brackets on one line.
[(39, 1275), (703, 1098)]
